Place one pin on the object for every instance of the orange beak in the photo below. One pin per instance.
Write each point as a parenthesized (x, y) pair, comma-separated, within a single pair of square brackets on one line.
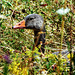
[(20, 25)]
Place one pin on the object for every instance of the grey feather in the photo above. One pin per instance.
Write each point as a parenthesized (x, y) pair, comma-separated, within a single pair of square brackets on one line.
[(34, 21)]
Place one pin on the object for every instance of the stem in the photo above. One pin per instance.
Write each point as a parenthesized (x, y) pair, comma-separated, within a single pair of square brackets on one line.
[(71, 49), (0, 7), (65, 3), (62, 32)]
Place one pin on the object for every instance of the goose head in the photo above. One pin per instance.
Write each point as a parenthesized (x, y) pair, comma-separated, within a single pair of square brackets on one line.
[(32, 21)]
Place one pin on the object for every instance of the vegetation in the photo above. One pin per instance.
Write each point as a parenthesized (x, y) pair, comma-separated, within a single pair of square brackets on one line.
[(16, 46)]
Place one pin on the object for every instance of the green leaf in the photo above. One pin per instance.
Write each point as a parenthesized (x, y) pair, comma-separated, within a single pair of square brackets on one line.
[(63, 1), (48, 1), (0, 7), (4, 0), (3, 27), (21, 30), (5, 69), (68, 46), (8, 14), (9, 4)]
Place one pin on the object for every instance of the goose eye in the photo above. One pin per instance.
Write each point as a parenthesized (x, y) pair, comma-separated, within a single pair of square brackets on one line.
[(31, 18)]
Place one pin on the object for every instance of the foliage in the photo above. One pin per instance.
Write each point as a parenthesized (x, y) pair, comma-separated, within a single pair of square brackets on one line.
[(16, 46), (16, 67)]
